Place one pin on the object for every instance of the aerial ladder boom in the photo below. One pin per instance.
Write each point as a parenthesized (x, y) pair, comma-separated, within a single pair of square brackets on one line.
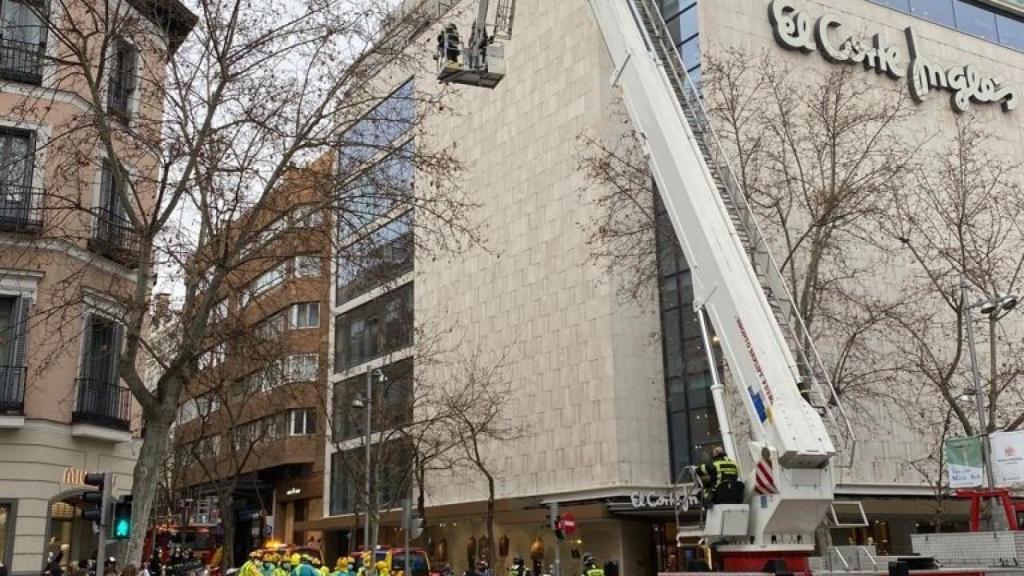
[(738, 288), (482, 59)]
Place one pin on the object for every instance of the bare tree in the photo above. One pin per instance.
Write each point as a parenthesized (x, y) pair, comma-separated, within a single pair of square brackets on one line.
[(476, 409), (959, 221), (816, 158), (200, 138)]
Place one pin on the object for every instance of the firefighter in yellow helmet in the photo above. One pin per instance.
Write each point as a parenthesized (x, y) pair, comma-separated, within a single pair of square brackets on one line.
[(269, 567), (382, 568), (720, 470), (252, 567), (284, 568)]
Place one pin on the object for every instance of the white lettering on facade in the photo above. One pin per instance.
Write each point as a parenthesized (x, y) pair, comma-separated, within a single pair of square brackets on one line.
[(794, 31), (659, 500)]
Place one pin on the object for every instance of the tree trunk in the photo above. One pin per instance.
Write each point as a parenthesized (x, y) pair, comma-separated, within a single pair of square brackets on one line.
[(227, 520), (421, 500), (490, 517), (145, 480)]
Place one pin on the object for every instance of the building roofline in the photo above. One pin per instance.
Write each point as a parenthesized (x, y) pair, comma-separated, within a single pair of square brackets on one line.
[(171, 16)]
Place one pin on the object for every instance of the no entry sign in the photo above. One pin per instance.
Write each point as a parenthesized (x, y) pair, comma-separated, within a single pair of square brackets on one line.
[(567, 524)]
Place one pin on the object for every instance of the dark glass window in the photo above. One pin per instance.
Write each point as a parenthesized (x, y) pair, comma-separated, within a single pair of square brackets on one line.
[(684, 25), (975, 20), (379, 128), (395, 412), (689, 51), (693, 426), (122, 77), (938, 11), (393, 463), (379, 327), (22, 40), (376, 258)]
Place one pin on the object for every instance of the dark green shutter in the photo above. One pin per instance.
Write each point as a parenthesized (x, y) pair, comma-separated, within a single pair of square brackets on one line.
[(20, 325)]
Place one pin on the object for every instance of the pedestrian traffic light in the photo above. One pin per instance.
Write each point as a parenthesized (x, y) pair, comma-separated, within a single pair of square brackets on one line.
[(415, 527), (94, 503), (122, 518)]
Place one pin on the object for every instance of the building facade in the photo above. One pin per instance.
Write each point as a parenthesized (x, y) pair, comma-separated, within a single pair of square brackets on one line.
[(613, 393), (65, 247), (250, 428)]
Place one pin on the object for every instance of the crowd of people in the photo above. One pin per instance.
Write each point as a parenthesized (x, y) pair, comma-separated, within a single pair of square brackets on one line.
[(273, 564)]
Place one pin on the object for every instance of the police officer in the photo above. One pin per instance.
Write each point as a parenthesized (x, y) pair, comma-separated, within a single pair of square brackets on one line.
[(590, 567), (518, 567), (719, 470)]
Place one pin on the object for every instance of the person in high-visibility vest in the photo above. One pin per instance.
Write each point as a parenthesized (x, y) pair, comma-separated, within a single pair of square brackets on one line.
[(590, 567), (719, 470), (253, 567)]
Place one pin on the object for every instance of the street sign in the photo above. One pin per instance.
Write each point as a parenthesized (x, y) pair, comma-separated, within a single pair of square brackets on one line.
[(567, 524)]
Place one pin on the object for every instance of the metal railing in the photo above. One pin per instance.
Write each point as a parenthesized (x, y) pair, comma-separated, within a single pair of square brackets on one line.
[(21, 61), (12, 389), (114, 237), (119, 99), (817, 384), (20, 208), (102, 403)]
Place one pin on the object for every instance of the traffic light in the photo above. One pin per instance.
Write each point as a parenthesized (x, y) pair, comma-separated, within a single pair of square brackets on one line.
[(94, 503), (415, 527), (122, 519)]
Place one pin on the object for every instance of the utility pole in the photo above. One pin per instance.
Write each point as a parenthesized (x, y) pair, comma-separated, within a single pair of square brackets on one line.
[(978, 399)]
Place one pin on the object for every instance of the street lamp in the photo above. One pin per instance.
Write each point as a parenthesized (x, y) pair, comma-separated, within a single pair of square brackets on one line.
[(366, 403), (995, 308)]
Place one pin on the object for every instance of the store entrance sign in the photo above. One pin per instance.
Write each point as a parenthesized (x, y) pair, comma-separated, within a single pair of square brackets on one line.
[(794, 30)]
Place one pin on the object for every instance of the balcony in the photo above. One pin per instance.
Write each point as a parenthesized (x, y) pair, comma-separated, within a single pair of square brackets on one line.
[(12, 396), (114, 237), (100, 403), (21, 61), (20, 208)]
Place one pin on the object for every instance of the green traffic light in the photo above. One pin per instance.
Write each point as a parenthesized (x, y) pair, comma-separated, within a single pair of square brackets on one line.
[(122, 529)]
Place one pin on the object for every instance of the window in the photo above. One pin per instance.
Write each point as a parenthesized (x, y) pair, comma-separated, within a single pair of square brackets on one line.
[(379, 327), (302, 368), (219, 312), (22, 41), (938, 11), (307, 266), (123, 62), (101, 398), (17, 197), (114, 235), (264, 282), (187, 411), (396, 391), (380, 127), (378, 191), (303, 422), (272, 327), (306, 216), (394, 466), (975, 20), (376, 259), (1011, 31), (213, 357), (305, 315), (14, 313), (6, 532)]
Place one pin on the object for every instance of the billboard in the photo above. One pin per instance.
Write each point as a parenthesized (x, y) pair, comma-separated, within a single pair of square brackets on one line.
[(1007, 452), (964, 461)]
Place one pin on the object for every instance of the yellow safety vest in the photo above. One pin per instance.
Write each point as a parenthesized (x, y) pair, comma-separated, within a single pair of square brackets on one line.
[(595, 572), (725, 469)]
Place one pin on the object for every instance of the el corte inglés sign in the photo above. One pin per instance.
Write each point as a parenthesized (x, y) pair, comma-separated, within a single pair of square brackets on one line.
[(794, 30)]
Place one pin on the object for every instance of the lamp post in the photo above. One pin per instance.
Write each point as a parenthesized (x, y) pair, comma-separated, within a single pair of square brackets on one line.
[(366, 403), (995, 308)]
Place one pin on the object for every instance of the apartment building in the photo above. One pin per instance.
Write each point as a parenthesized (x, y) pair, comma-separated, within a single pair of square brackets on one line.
[(65, 247), (250, 429)]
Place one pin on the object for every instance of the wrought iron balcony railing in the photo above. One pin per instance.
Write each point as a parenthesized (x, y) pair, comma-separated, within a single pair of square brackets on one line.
[(12, 390), (20, 208), (114, 237), (21, 61), (102, 403)]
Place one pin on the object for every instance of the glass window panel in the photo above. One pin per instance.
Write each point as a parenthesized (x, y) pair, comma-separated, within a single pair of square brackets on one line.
[(703, 427), (901, 5), (679, 439), (683, 26), (690, 52), (380, 257), (379, 327), (672, 343), (938, 11), (1011, 31), (975, 20)]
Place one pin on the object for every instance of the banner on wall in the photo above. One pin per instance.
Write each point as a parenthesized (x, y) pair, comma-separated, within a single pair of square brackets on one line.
[(965, 462), (1007, 450)]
